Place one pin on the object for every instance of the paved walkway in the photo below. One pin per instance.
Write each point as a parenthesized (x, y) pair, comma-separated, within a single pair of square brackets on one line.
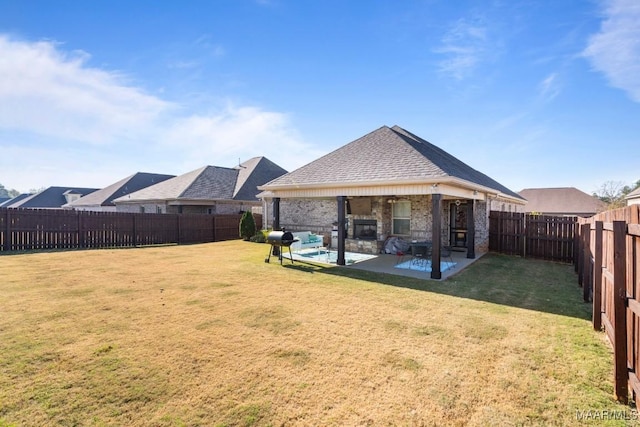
[(385, 263)]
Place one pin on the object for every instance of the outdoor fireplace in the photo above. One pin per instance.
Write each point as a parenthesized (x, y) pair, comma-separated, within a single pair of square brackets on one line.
[(365, 229)]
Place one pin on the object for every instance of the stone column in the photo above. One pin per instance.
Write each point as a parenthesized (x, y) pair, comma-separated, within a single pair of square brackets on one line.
[(471, 230)]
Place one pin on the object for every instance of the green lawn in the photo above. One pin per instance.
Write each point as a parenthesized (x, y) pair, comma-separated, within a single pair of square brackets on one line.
[(211, 335)]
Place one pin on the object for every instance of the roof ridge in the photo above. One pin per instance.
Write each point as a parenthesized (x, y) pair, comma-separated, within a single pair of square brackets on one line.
[(195, 179)]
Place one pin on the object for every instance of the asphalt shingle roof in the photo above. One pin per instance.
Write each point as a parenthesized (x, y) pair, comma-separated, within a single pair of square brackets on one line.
[(634, 194), (213, 183), (52, 197), (252, 173), (105, 196), (15, 200), (387, 154)]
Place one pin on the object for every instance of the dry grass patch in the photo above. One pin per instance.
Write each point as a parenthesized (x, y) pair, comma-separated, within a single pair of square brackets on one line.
[(211, 335)]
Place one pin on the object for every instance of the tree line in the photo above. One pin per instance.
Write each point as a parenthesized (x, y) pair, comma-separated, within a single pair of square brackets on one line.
[(8, 193), (613, 193)]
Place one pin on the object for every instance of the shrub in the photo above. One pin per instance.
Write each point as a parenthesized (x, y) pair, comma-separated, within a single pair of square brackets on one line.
[(247, 226), (258, 238)]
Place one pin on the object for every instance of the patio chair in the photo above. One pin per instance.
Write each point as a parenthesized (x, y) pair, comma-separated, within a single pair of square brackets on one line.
[(420, 254), (445, 253)]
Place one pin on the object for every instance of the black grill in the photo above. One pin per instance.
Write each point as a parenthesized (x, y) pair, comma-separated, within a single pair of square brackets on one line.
[(280, 238), (277, 240)]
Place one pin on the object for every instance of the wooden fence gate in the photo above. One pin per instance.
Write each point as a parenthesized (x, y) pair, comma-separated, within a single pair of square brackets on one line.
[(609, 264), (537, 236)]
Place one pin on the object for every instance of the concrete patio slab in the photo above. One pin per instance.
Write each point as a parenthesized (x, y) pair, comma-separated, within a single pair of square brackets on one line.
[(385, 263)]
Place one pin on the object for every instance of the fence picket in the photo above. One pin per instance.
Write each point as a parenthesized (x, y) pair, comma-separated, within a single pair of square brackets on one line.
[(37, 229), (536, 236)]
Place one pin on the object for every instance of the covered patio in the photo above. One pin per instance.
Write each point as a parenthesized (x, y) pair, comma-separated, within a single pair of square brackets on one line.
[(389, 184)]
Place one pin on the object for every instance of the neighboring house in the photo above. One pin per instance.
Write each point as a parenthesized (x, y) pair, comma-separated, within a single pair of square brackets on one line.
[(4, 199), (51, 198), (102, 200), (16, 199), (562, 201), (208, 190), (633, 198), (389, 183)]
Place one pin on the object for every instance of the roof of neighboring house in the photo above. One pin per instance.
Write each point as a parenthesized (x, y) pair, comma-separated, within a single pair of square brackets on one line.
[(4, 199), (8, 203), (52, 197), (121, 188), (212, 183), (387, 155), (634, 194), (562, 200)]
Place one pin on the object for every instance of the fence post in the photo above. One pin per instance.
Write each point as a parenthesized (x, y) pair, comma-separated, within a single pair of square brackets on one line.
[(135, 231), (581, 251), (522, 232), (7, 231), (81, 241), (179, 226), (586, 263), (597, 278), (620, 311), (576, 246)]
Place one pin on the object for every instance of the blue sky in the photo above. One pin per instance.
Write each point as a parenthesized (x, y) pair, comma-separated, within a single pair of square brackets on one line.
[(535, 93)]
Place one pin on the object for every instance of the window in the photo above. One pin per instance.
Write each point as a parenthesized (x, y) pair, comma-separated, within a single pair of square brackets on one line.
[(141, 209), (401, 218)]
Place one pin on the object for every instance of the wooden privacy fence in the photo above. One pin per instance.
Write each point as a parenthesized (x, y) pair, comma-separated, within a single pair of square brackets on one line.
[(537, 236), (33, 229), (608, 266)]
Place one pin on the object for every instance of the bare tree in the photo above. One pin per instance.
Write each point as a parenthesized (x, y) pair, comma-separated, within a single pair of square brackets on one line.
[(613, 192)]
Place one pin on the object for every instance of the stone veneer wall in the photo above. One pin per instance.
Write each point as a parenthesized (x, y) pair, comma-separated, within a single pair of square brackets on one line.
[(482, 226), (318, 216), (315, 215)]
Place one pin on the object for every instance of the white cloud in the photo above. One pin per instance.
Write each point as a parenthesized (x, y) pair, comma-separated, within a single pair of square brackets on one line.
[(59, 117), (464, 47), (240, 132), (48, 92), (549, 88), (615, 49)]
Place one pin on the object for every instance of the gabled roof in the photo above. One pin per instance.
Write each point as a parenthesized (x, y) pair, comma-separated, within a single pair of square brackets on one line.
[(212, 183), (4, 199), (52, 197), (561, 201), (386, 155), (121, 188)]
